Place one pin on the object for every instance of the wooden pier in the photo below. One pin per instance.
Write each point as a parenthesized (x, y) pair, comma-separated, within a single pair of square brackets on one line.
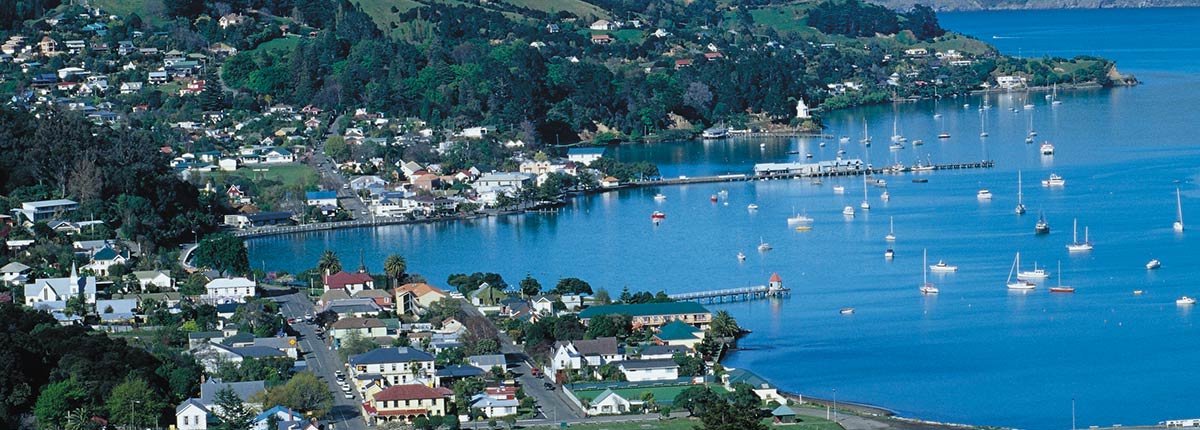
[(683, 180), (732, 294)]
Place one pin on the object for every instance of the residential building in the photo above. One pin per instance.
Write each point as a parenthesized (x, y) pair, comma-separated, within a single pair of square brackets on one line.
[(503, 180), (413, 299), (653, 314), (104, 258), (352, 308), (191, 415), (396, 366), (14, 273), (575, 354), (60, 289), (229, 290), (364, 327), (494, 408), (261, 219), (212, 355), (245, 391), (44, 210), (608, 403), (761, 388), (158, 278), (487, 362), (679, 333), (602, 25), (352, 283), (585, 156), (365, 182), (382, 298), (477, 132), (649, 370), (286, 417), (406, 403), (321, 198)]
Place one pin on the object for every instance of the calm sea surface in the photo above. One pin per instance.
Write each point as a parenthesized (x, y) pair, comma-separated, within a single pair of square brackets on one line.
[(975, 353)]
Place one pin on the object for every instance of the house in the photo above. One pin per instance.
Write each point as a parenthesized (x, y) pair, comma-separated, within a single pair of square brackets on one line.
[(446, 376), (105, 258), (1010, 82), (802, 111), (278, 156), (503, 180), (353, 308), (602, 25), (686, 62), (653, 314), (212, 355), (610, 182), (244, 221), (332, 295), (287, 344), (231, 19), (679, 333), (366, 182), (191, 415), (575, 354), (487, 362), (415, 298), (364, 327), (321, 198), (61, 289), (916, 52), (655, 352), (245, 391), (608, 403), (406, 403), (396, 366), (352, 283), (552, 28), (44, 210), (649, 370), (229, 290), (585, 156), (14, 273), (280, 415), (713, 56), (477, 132), (601, 39), (761, 388), (117, 310), (494, 408), (130, 87), (382, 298), (158, 77), (487, 295), (228, 164)]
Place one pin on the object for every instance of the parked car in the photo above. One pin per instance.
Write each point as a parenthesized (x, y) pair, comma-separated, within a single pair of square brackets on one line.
[(548, 386)]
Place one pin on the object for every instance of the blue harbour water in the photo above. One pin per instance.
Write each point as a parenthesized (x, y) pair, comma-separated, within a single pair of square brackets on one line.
[(975, 353)]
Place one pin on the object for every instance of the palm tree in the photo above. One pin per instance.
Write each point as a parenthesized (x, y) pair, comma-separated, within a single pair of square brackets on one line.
[(76, 419), (723, 325), (329, 262), (394, 265), (648, 403)]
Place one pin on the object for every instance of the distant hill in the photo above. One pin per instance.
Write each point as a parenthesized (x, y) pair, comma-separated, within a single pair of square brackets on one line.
[(968, 5)]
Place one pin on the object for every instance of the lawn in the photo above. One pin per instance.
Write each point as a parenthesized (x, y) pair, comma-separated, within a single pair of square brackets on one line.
[(380, 11), (151, 11), (286, 44), (786, 18), (578, 8), (662, 395), (288, 174)]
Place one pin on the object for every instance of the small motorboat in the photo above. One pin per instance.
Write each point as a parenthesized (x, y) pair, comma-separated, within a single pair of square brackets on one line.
[(942, 267), (1153, 264), (1185, 300), (752, 207), (846, 311), (920, 181), (943, 135), (889, 254), (763, 246), (984, 194), (848, 211), (658, 216), (807, 155), (660, 197), (741, 256), (918, 142), (713, 199), (885, 196), (1054, 181), (1138, 292), (838, 189), (1047, 148)]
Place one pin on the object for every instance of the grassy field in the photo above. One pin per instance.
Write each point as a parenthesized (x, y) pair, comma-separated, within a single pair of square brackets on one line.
[(809, 423), (958, 43), (151, 11), (578, 8), (288, 174), (381, 11), (784, 18), (281, 44), (662, 395)]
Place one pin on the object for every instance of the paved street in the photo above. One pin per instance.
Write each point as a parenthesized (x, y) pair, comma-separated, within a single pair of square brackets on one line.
[(323, 362), (331, 179)]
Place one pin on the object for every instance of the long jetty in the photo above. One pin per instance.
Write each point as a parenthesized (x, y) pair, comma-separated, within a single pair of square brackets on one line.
[(683, 180), (732, 294)]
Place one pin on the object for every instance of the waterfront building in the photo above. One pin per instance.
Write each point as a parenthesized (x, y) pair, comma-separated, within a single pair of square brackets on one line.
[(653, 314)]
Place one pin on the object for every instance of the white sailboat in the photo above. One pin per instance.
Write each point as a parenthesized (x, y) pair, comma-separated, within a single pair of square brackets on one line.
[(763, 246), (891, 236), (982, 124), (1054, 101), (1061, 288), (896, 136), (1018, 284), (866, 139), (1020, 210), (1076, 245), (926, 287), (866, 205), (1178, 226)]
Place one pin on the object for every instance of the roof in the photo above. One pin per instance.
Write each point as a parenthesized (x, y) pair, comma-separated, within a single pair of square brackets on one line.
[(229, 283), (677, 330), (645, 309), (278, 409), (775, 277), (663, 349), (744, 376), (389, 355), (598, 346), (351, 306), (341, 279), (332, 295), (257, 351), (150, 274), (205, 335), (459, 371), (488, 402), (783, 411), (372, 294), (488, 361), (105, 254), (411, 392), (14, 267), (353, 323), (662, 363), (605, 395), (193, 402), (320, 195), (420, 289), (586, 151), (244, 390), (49, 203)]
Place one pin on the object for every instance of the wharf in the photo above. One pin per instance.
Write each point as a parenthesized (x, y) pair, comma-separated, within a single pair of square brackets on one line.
[(809, 173), (732, 294)]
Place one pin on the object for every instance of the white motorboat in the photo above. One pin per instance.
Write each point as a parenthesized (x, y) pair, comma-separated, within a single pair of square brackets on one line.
[(752, 207), (1185, 300), (741, 256), (885, 196), (1047, 148), (891, 236), (1033, 275), (848, 211), (889, 254), (984, 194), (926, 286), (802, 222), (942, 267), (844, 139), (1018, 284), (918, 142), (660, 197), (846, 311), (839, 189), (1076, 245), (896, 146), (1054, 181), (1178, 226), (1153, 264), (1020, 209)]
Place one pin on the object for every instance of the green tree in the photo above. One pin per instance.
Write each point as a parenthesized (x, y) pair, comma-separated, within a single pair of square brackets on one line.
[(213, 96), (134, 403), (572, 286), (602, 297), (54, 402), (224, 253), (305, 392), (329, 262), (723, 325), (337, 149), (613, 325), (234, 414), (530, 287), (695, 399), (394, 266), (353, 344)]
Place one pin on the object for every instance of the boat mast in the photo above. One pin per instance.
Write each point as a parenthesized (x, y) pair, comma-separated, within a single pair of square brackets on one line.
[(924, 267)]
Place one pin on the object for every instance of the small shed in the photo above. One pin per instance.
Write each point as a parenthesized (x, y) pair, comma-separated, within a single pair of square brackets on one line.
[(784, 415)]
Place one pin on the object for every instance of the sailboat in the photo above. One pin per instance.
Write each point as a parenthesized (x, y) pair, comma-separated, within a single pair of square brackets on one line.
[(944, 134), (982, 124), (866, 140), (1061, 288), (1076, 245), (1018, 284), (1054, 101), (866, 206), (741, 256), (1020, 210), (763, 246), (926, 287), (1178, 226), (1042, 227), (891, 236), (896, 137)]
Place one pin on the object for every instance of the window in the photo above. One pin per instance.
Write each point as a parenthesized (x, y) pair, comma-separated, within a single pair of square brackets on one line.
[(185, 420)]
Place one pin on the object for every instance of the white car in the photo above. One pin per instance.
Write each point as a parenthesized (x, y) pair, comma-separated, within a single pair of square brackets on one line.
[(349, 395)]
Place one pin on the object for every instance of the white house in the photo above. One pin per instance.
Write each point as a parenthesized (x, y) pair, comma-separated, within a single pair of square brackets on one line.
[(477, 132), (503, 180), (158, 278), (225, 290), (228, 164), (60, 289), (572, 355), (608, 403), (493, 408), (585, 156), (802, 111), (45, 210), (191, 415), (650, 370), (397, 366), (14, 273), (602, 25), (1010, 82)]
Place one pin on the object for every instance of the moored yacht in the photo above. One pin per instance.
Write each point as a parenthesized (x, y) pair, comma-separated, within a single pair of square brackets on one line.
[(1018, 284), (1185, 300), (1047, 148), (984, 194), (1054, 181), (1153, 264)]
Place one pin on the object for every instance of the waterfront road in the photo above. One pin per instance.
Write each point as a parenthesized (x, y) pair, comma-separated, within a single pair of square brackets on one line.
[(323, 362)]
